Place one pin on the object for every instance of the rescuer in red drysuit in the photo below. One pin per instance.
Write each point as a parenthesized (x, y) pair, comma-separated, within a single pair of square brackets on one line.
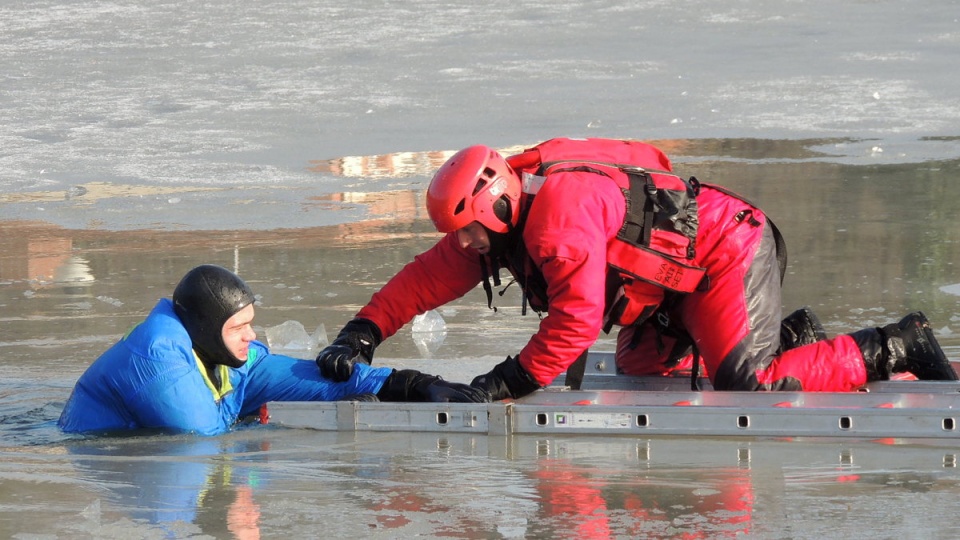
[(600, 233)]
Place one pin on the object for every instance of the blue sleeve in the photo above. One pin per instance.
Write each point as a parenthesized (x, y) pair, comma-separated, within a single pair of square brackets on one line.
[(274, 377)]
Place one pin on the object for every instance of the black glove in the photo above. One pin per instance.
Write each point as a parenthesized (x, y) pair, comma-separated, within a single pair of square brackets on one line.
[(507, 379), (411, 385), (354, 343)]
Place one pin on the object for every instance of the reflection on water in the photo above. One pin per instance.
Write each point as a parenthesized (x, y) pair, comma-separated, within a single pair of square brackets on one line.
[(392, 165), (42, 256), (73, 273), (267, 483), (407, 164), (172, 482)]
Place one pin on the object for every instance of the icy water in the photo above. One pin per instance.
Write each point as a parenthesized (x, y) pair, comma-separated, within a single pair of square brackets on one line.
[(292, 141)]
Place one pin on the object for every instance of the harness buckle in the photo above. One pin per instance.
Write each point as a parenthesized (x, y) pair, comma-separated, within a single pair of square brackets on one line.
[(663, 319)]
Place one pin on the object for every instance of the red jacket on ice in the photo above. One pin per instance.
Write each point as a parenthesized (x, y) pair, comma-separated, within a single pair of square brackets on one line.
[(570, 264)]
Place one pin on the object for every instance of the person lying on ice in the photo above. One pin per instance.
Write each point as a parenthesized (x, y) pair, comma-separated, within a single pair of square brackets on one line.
[(599, 233), (194, 365)]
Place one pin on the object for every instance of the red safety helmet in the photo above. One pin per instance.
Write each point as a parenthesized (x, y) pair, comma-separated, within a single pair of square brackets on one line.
[(476, 184)]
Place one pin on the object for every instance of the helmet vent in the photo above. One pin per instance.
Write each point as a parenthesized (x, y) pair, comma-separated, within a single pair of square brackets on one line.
[(480, 183), (460, 206)]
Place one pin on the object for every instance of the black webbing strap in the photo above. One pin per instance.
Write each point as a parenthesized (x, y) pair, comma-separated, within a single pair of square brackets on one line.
[(486, 282), (695, 370), (650, 194), (638, 219), (574, 378)]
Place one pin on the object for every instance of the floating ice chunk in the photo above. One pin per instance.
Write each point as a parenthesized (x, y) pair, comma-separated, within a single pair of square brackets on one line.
[(75, 191), (289, 335), (320, 336), (951, 289), (292, 336), (429, 331), (92, 514), (430, 321), (110, 300)]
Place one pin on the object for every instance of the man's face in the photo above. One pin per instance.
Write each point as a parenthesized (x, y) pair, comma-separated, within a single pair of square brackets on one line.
[(474, 236), (238, 333)]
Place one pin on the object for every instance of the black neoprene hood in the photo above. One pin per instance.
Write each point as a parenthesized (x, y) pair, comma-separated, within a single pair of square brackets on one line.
[(204, 299)]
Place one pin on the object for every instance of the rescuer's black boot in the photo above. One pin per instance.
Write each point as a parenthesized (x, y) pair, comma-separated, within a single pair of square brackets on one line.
[(802, 327), (906, 346)]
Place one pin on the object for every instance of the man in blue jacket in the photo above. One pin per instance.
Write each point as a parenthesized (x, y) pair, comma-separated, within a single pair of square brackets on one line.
[(194, 365)]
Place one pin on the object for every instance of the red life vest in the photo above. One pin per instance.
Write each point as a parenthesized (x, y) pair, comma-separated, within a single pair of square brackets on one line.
[(654, 250)]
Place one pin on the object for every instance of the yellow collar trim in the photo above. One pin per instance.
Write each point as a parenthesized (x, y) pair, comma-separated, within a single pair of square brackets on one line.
[(225, 386)]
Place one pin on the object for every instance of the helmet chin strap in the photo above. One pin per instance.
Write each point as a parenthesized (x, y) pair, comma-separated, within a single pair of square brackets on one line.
[(500, 243), (502, 248)]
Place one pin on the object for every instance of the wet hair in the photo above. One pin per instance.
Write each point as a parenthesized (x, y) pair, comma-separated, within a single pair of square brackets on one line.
[(204, 299)]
